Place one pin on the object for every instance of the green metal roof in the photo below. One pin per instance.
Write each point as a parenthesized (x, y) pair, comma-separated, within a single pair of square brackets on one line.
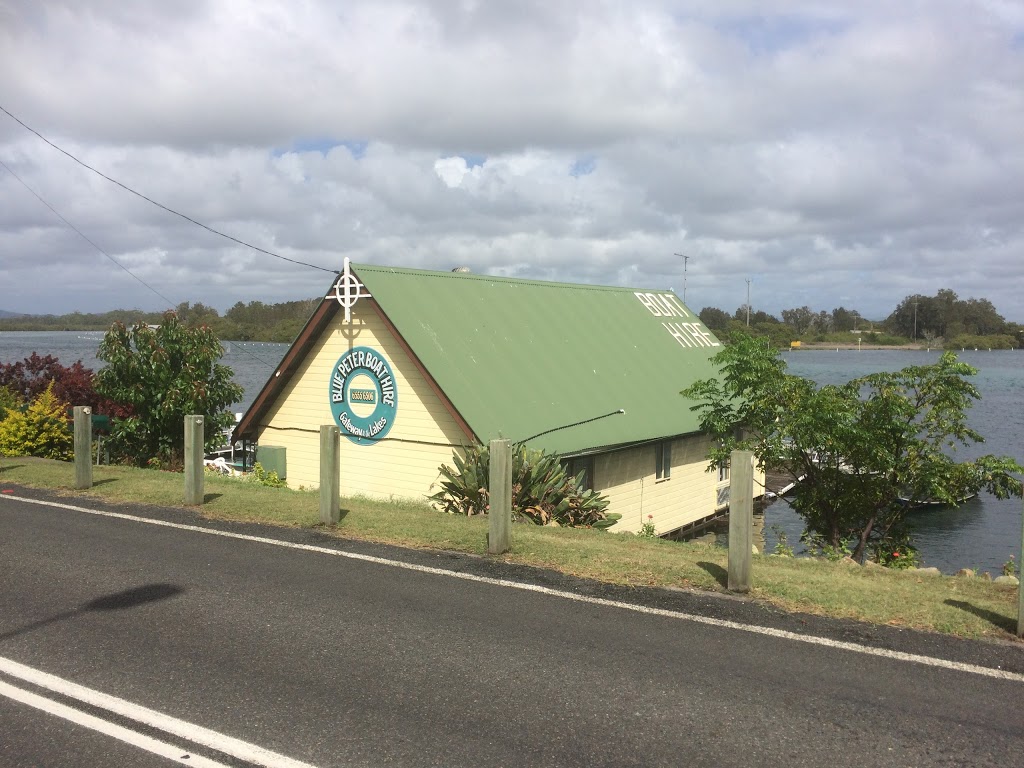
[(521, 357)]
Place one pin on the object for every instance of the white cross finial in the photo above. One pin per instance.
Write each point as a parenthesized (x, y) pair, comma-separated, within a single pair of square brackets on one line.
[(348, 290)]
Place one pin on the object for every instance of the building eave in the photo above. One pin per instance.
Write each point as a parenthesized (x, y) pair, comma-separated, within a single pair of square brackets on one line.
[(602, 449), (249, 425)]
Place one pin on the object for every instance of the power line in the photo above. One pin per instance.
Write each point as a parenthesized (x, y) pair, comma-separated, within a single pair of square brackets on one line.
[(55, 212), (170, 304), (161, 205)]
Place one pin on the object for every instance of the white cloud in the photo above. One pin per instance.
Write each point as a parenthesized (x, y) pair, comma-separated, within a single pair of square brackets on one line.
[(833, 153)]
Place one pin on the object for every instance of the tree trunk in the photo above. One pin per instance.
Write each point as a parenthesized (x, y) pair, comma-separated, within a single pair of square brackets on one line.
[(858, 553)]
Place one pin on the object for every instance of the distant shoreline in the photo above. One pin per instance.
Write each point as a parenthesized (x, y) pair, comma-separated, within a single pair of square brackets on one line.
[(844, 346), (848, 345)]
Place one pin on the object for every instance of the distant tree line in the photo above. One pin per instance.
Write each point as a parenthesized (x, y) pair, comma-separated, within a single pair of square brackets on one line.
[(801, 323), (946, 316), (942, 320), (254, 321)]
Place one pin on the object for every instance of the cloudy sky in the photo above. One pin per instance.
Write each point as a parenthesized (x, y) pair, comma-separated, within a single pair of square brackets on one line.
[(833, 153)]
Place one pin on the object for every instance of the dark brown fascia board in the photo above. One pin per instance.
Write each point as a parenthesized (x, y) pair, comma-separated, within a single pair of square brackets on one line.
[(448, 404), (296, 352)]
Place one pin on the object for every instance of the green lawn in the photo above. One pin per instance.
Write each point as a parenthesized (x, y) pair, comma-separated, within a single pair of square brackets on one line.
[(966, 607)]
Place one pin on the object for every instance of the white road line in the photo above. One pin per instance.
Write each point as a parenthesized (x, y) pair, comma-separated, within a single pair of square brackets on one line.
[(161, 748), (195, 734), (866, 650)]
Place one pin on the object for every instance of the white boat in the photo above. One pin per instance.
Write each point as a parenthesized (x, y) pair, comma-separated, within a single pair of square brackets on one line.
[(933, 503)]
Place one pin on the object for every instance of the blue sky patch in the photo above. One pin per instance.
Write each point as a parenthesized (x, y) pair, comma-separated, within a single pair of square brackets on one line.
[(323, 145), (765, 36), (583, 166)]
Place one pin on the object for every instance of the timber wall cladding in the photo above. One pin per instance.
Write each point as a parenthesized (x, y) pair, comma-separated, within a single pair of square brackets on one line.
[(388, 469), (628, 479)]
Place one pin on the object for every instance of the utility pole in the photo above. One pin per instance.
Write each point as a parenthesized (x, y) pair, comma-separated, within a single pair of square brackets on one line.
[(686, 260), (915, 320), (748, 302)]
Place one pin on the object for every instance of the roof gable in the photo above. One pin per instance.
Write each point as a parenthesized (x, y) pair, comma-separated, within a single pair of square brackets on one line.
[(520, 358)]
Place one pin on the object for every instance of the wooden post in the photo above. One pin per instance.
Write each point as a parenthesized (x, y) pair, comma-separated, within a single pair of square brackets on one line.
[(1020, 586), (83, 447), (741, 520), (499, 536), (194, 443), (330, 474)]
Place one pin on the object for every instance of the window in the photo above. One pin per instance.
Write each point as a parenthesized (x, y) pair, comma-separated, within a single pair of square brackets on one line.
[(584, 464), (723, 474), (663, 461)]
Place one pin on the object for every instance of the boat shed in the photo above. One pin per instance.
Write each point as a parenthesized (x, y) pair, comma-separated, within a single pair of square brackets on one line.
[(413, 364)]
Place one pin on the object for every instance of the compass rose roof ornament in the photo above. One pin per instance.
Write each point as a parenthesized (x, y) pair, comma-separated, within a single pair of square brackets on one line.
[(348, 290)]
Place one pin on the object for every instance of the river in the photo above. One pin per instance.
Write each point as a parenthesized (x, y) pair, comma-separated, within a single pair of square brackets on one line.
[(253, 362), (982, 534)]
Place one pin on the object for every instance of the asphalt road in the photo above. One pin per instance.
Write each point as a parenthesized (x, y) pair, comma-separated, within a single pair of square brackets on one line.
[(331, 660)]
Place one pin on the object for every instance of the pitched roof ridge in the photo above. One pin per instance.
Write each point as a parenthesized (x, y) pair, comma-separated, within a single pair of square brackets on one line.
[(447, 275)]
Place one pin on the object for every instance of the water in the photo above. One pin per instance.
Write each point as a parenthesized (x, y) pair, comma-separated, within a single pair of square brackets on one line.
[(981, 534), (253, 362)]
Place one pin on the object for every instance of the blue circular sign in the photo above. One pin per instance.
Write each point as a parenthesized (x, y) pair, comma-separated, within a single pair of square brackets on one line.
[(364, 397)]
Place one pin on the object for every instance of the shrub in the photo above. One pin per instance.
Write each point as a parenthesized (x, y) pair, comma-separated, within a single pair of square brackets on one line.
[(782, 548), (30, 377), (260, 476), (42, 429), (9, 400), (818, 546), (884, 339), (542, 491), (981, 342), (72, 384), (900, 558)]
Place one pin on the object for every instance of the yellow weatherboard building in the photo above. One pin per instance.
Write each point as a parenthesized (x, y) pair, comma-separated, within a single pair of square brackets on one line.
[(412, 365)]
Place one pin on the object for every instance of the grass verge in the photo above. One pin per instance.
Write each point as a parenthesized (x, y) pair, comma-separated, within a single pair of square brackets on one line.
[(958, 606)]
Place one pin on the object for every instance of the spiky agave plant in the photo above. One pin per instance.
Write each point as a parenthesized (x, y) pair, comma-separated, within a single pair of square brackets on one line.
[(542, 491)]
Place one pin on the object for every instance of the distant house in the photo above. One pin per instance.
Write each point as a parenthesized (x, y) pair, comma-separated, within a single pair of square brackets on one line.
[(427, 362)]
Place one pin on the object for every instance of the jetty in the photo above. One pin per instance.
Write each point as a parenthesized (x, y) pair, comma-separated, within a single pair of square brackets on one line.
[(778, 483)]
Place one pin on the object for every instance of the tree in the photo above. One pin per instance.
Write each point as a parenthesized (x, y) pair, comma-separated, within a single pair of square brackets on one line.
[(758, 317), (163, 374), (947, 309), (799, 319), (196, 314), (945, 315), (822, 322), (981, 318), (714, 318), (844, 319), (917, 317), (859, 448)]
